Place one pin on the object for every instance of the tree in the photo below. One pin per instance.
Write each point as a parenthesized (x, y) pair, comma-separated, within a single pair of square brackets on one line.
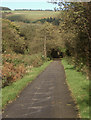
[(75, 28)]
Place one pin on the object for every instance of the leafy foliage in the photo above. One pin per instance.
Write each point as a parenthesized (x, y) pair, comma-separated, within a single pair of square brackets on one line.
[(75, 30), (11, 41), (55, 21)]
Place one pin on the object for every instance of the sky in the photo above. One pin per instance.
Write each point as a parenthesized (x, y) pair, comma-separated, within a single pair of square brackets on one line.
[(28, 4)]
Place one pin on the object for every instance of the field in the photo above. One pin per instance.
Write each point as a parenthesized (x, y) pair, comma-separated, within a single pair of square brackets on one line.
[(31, 16)]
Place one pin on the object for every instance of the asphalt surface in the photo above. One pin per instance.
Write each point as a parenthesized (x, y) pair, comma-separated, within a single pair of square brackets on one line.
[(46, 97)]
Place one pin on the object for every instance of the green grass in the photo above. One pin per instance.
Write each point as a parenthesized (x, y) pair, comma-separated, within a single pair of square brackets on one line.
[(9, 93), (79, 86)]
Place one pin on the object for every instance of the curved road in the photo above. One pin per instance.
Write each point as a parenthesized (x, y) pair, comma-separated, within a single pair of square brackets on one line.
[(46, 97)]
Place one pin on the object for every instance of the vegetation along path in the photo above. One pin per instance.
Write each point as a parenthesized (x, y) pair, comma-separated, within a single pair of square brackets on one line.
[(46, 97)]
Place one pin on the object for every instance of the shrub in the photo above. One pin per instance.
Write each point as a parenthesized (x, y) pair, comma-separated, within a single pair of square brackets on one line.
[(11, 73), (15, 66)]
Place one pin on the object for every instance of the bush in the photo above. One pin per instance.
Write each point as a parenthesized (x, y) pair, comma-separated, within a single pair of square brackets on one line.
[(11, 73), (15, 66)]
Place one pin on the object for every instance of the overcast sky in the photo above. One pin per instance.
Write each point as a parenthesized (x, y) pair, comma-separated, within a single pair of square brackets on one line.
[(28, 4)]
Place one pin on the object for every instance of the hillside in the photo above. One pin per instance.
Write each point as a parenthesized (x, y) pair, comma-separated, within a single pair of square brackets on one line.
[(31, 38), (5, 9), (22, 39), (31, 16)]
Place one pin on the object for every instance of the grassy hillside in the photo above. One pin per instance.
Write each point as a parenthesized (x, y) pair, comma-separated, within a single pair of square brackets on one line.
[(31, 16), (20, 51), (25, 41)]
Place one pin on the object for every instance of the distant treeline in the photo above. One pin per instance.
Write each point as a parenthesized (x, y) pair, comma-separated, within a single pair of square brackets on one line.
[(55, 21), (4, 8), (32, 10)]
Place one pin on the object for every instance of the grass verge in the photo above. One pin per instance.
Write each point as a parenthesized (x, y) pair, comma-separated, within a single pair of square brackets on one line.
[(79, 87), (9, 93)]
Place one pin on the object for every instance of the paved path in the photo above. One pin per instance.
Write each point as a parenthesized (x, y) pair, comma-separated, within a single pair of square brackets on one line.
[(46, 97)]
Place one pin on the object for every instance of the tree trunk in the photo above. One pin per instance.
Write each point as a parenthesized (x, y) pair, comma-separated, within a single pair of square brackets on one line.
[(45, 47)]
